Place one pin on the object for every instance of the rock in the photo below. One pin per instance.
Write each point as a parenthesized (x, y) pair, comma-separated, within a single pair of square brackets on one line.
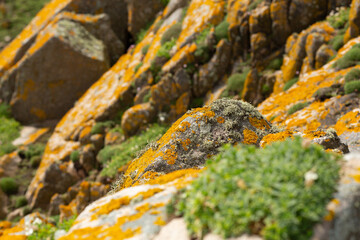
[(354, 20), (180, 107), (16, 214), (323, 55), (100, 27), (35, 74), (97, 141), (10, 165), (313, 42), (280, 25), (243, 237), (173, 5), (55, 203), (139, 16), (196, 136), (303, 13), (3, 206), (88, 157), (331, 141), (212, 72), (29, 135), (136, 117), (174, 230), (143, 93), (137, 212), (57, 179)]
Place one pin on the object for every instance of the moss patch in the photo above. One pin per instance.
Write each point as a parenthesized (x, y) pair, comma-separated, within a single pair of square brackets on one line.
[(9, 130), (350, 59)]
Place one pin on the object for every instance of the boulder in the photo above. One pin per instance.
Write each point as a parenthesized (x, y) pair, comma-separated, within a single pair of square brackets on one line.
[(280, 25), (354, 20), (324, 53), (196, 136), (3, 205), (10, 165), (80, 59)]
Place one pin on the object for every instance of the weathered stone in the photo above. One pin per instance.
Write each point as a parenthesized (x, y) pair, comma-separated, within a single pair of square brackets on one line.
[(175, 230), (65, 43), (260, 20), (323, 55), (16, 214), (354, 20), (173, 5), (10, 165), (140, 97), (313, 42), (280, 24), (88, 157), (3, 205), (140, 16), (55, 203), (136, 117), (260, 46), (211, 73), (97, 141), (197, 135)]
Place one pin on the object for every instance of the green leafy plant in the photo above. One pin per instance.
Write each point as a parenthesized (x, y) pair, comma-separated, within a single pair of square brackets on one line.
[(142, 33), (99, 127), (337, 42), (20, 201), (339, 19), (275, 64), (32, 151), (221, 30), (8, 185), (75, 156), (116, 156), (350, 59), (351, 87), (9, 130), (172, 33), (352, 75), (165, 49), (297, 107), (290, 83), (5, 110), (262, 191)]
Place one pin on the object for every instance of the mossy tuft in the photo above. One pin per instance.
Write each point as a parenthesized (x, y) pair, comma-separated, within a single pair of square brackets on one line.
[(350, 59), (352, 87), (297, 107), (352, 75), (8, 185), (290, 83)]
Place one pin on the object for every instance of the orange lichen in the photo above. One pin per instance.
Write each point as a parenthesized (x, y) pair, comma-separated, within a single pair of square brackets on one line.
[(220, 120), (109, 207), (314, 134), (175, 175), (250, 137), (259, 123), (159, 221), (350, 122), (275, 137)]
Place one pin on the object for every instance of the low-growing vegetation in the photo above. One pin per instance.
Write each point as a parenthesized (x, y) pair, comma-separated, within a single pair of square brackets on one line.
[(275, 64), (8, 185), (75, 156), (350, 59), (351, 87), (340, 19), (172, 33), (114, 157), (165, 49), (352, 75), (268, 192), (290, 83), (221, 30), (297, 107), (9, 130)]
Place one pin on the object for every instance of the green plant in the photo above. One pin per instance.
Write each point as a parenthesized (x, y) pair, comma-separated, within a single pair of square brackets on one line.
[(165, 49), (172, 33), (8, 185), (20, 201), (339, 19), (262, 191), (147, 97), (337, 42), (290, 83), (275, 64), (75, 156), (99, 127), (137, 67), (265, 89), (165, 2), (297, 107), (142, 33), (352, 75), (236, 81), (145, 49), (35, 161), (155, 70), (254, 4), (32, 151), (5, 110), (116, 156), (221, 30), (197, 102), (351, 58), (351, 87), (9, 130)]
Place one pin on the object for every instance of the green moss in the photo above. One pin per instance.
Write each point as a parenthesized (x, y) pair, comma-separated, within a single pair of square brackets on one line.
[(165, 49), (17, 14), (290, 83), (350, 59), (116, 156), (352, 75), (254, 4), (221, 30), (155, 70), (265, 89), (137, 67), (147, 97), (337, 42), (142, 33), (236, 82), (275, 64), (35, 161), (261, 191), (100, 127), (75, 156), (145, 49), (20, 201), (339, 19), (297, 107), (9, 130), (351, 87), (32, 151), (172, 33), (8, 185)]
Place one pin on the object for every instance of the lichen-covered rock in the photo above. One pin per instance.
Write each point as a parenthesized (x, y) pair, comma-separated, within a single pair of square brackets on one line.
[(137, 212), (9, 164), (61, 44), (323, 55), (211, 73), (354, 20), (3, 209), (196, 136), (280, 24)]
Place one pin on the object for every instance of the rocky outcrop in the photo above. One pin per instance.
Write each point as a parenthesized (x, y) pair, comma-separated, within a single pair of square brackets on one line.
[(354, 20)]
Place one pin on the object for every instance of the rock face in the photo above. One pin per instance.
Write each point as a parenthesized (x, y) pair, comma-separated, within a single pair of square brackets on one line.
[(196, 136), (63, 44), (353, 30)]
